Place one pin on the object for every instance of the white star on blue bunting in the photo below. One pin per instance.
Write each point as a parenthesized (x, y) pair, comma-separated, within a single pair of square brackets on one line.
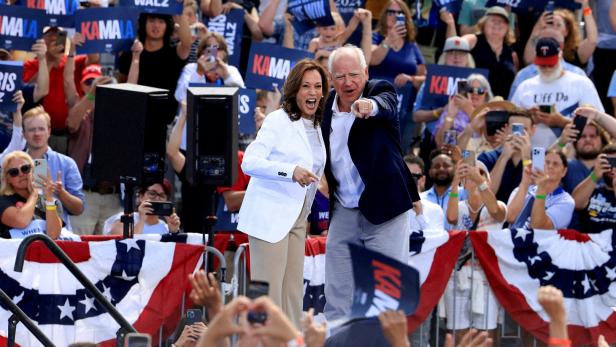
[(88, 303), (66, 310)]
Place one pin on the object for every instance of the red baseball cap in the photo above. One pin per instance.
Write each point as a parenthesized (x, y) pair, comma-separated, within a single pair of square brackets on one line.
[(91, 71)]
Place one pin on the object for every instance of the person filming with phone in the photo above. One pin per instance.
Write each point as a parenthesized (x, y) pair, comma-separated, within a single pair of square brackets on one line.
[(540, 202), (595, 200), (155, 214), (506, 163), (211, 67), (21, 212), (62, 170)]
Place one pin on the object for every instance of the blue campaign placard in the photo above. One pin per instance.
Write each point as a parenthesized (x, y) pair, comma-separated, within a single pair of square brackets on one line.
[(59, 13), (230, 26), (535, 5), (347, 8), (307, 13), (10, 82), (226, 221), (106, 30), (20, 27), (270, 64), (382, 283), (441, 82), (247, 102), (452, 6), (155, 6)]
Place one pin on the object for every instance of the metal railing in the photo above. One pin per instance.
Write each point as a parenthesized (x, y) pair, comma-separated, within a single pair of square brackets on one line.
[(125, 326), (20, 316)]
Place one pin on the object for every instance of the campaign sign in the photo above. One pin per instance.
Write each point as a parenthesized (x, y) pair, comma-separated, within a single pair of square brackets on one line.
[(382, 283), (106, 30), (526, 5), (452, 6), (441, 82), (155, 6), (20, 27), (270, 64), (59, 13), (226, 221), (307, 13), (230, 26), (247, 102), (347, 8), (10, 82)]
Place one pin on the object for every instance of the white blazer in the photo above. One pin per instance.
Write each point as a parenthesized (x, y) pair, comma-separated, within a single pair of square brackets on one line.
[(273, 201)]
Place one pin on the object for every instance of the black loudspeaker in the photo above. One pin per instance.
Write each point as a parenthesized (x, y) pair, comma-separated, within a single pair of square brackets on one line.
[(130, 130), (212, 135)]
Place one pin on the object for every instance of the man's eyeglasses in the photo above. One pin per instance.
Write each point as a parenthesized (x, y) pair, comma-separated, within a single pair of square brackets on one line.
[(416, 176), (394, 12), (478, 90), (155, 194), (14, 172), (351, 75)]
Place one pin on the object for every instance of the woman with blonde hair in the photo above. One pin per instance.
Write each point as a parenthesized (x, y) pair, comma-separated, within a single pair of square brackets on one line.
[(492, 49), (21, 213)]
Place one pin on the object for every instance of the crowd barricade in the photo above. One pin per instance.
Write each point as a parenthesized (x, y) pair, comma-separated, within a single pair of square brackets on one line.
[(146, 280), (513, 264)]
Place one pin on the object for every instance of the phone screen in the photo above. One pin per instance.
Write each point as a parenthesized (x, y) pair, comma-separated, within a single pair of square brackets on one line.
[(580, 124), (538, 158), (161, 208), (545, 108), (462, 87), (193, 316), (451, 137), (257, 289), (612, 161), (495, 120), (61, 38), (40, 169), (468, 157), (137, 340)]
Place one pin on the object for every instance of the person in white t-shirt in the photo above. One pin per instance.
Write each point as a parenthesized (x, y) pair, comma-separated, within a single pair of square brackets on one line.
[(555, 88), (469, 302), (432, 216)]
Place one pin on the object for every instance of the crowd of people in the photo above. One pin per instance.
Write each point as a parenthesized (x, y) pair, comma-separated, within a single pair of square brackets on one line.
[(336, 152)]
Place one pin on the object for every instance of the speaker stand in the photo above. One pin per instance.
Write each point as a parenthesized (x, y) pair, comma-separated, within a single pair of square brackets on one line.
[(210, 219), (127, 219)]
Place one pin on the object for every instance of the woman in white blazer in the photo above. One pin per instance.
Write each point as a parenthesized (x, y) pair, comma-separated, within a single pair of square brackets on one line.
[(285, 163)]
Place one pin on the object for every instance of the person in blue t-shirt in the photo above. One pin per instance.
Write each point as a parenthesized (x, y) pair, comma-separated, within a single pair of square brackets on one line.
[(539, 202), (595, 200), (395, 54)]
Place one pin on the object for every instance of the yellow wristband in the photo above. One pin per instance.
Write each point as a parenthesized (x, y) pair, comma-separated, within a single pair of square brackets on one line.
[(50, 207), (526, 162), (435, 114)]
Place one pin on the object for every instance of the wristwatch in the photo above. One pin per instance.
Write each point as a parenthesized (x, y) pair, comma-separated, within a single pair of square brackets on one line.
[(386, 46)]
